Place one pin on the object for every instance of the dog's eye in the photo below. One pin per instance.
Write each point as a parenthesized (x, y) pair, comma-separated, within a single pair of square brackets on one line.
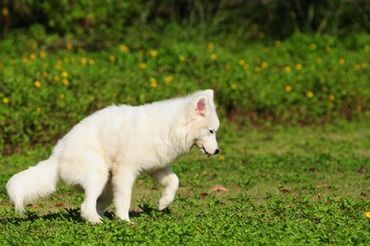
[(211, 131)]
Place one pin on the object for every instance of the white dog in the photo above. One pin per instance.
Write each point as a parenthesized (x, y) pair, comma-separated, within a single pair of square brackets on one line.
[(105, 152)]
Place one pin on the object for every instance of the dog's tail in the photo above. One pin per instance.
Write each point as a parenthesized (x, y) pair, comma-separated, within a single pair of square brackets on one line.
[(32, 183)]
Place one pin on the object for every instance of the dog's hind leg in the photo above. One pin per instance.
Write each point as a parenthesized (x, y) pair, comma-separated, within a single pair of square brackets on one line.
[(105, 199), (170, 181), (93, 184)]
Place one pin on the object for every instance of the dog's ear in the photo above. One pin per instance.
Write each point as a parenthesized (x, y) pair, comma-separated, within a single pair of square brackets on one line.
[(209, 93), (200, 106)]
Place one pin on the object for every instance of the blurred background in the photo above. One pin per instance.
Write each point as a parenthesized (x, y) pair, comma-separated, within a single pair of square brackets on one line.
[(270, 62), (98, 23)]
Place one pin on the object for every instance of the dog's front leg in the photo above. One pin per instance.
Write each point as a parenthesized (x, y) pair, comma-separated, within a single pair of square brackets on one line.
[(122, 185), (170, 181)]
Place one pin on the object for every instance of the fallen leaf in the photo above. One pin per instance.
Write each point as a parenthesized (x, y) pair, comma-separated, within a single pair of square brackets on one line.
[(138, 210), (203, 195), (285, 190), (218, 188), (362, 170), (59, 204)]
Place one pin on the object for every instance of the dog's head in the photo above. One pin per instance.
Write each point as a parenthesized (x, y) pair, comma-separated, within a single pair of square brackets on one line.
[(203, 122)]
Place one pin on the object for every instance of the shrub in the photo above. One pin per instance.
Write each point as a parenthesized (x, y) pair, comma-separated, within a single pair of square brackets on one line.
[(306, 79)]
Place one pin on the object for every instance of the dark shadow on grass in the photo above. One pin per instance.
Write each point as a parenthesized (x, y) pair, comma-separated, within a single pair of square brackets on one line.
[(148, 210), (73, 214), (69, 214)]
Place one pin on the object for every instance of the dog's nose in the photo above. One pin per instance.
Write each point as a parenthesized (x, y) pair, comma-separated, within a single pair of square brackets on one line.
[(217, 151)]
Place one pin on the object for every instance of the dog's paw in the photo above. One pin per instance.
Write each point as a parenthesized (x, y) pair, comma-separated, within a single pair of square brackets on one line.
[(94, 219), (163, 204)]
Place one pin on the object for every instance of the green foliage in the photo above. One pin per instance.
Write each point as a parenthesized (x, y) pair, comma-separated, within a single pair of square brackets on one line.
[(306, 79), (99, 23), (296, 186), (90, 22)]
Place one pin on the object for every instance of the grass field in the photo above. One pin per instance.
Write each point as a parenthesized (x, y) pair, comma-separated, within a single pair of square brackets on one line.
[(283, 186), (276, 182)]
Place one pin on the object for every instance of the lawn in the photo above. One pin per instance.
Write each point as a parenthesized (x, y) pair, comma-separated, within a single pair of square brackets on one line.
[(295, 138), (282, 186)]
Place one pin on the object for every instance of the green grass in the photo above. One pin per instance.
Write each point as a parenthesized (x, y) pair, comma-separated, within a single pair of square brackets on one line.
[(285, 186)]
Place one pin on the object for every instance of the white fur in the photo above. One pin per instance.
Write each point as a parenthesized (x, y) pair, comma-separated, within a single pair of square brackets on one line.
[(105, 152)]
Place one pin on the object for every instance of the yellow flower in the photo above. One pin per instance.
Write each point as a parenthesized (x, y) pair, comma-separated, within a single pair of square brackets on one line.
[(64, 74), (287, 69), (312, 47), (298, 66), (309, 94), (25, 60), (358, 66), (153, 53), (37, 84), (143, 65), (211, 45), (58, 66), (341, 61), (69, 46), (6, 100), (288, 88), (242, 62), (277, 43), (168, 79), (43, 54), (56, 78), (123, 48), (221, 157), (83, 61), (264, 64), (65, 82), (32, 56), (331, 98), (245, 66), (91, 62), (182, 58), (38, 110), (61, 96), (112, 58), (367, 214), (257, 69), (153, 83), (234, 86), (214, 57), (5, 12)]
